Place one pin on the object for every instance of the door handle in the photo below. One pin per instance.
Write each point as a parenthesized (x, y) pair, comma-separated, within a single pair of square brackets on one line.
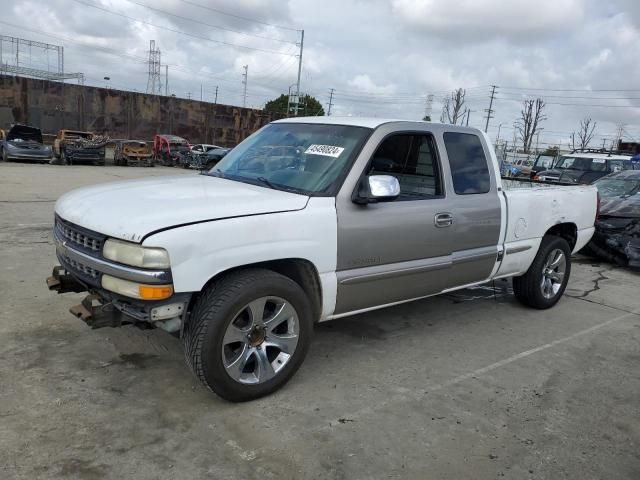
[(442, 220)]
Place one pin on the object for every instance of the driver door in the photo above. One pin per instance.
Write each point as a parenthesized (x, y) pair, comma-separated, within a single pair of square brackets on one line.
[(397, 250)]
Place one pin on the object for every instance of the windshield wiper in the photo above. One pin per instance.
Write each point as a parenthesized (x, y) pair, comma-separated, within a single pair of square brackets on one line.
[(216, 173), (267, 183)]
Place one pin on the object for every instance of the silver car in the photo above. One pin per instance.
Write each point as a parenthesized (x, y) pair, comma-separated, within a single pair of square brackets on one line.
[(24, 143)]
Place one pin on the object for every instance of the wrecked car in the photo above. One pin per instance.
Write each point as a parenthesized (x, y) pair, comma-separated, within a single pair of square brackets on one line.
[(170, 150), (23, 142), (206, 160), (617, 229), (585, 167), (73, 147), (133, 153)]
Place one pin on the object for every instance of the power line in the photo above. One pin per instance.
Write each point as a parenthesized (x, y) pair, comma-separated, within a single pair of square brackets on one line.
[(164, 12), (193, 35), (238, 16), (565, 96), (569, 89), (175, 66)]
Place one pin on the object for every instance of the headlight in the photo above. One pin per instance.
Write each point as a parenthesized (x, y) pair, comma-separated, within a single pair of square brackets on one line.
[(136, 290), (135, 255)]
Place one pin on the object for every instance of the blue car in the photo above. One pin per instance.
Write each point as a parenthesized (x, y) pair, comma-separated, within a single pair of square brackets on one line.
[(24, 143)]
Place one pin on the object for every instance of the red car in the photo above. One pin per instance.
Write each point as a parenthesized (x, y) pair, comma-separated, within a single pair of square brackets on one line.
[(170, 150)]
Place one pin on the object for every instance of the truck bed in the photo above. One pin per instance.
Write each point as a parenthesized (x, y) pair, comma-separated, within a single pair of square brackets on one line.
[(510, 183)]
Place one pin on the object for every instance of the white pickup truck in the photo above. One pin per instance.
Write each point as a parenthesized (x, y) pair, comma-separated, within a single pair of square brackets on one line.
[(307, 220)]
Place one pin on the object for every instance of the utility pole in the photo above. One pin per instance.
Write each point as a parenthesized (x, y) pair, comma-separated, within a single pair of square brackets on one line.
[(490, 111), (299, 73), (200, 92), (330, 102), (468, 115), (619, 134), (189, 95), (215, 101), (166, 80), (244, 82)]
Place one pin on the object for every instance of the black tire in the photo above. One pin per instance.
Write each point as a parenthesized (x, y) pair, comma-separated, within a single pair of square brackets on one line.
[(528, 287), (63, 158), (216, 309)]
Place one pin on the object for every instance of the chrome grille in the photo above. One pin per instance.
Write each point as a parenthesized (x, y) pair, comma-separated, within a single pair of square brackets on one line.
[(83, 270), (77, 237)]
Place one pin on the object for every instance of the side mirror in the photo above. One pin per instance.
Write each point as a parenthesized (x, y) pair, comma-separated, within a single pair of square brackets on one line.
[(377, 188)]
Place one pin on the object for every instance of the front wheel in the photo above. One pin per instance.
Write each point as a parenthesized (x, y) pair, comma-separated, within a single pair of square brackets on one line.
[(545, 281), (248, 334)]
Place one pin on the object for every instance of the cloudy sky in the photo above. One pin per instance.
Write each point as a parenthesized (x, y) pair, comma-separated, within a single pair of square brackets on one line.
[(381, 57)]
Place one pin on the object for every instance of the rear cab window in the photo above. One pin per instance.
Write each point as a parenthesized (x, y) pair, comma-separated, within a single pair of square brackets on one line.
[(468, 163)]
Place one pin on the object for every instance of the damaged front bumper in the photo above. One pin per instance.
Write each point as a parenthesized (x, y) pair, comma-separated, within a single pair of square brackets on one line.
[(617, 239), (101, 308), (83, 268)]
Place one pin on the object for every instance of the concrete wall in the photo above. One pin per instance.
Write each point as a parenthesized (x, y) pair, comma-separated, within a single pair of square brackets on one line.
[(121, 114)]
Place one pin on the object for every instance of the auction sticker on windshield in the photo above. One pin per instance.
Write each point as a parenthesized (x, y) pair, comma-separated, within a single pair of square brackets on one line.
[(326, 150)]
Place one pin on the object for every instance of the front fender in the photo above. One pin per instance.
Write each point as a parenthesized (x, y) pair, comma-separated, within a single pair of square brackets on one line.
[(202, 251)]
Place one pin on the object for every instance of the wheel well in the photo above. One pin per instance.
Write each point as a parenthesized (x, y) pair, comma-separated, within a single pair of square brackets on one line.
[(568, 231), (301, 271)]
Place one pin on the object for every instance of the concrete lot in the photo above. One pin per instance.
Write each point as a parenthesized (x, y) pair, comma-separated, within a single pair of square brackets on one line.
[(470, 385)]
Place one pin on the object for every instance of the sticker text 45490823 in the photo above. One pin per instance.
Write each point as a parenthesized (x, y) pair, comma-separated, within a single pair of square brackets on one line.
[(326, 150)]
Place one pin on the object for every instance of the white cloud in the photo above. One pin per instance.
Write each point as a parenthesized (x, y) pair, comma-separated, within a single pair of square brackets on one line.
[(489, 17), (365, 84)]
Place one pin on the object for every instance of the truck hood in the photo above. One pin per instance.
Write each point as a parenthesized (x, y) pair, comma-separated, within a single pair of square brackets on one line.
[(133, 209)]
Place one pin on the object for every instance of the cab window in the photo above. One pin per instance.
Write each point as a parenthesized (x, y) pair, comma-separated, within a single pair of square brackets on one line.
[(469, 168), (413, 160)]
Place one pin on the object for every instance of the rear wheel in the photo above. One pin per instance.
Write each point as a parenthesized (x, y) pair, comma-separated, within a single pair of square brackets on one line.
[(545, 281), (248, 334)]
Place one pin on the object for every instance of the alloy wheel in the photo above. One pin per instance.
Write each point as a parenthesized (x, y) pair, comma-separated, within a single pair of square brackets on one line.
[(260, 340), (553, 272)]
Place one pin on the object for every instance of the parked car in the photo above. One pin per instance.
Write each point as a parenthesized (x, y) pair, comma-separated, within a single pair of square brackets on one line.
[(543, 162), (207, 160), (133, 153), (617, 229), (170, 150), (584, 167), (518, 167), (73, 147), (23, 142), (311, 219)]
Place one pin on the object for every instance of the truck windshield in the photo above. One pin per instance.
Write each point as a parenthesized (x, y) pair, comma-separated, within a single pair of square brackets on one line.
[(544, 161), (615, 187), (581, 163), (299, 157)]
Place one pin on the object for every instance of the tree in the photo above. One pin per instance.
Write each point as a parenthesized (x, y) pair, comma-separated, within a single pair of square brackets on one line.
[(531, 118), (453, 109), (426, 118), (585, 133), (309, 106)]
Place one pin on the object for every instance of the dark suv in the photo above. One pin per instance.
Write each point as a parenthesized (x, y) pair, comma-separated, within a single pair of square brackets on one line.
[(584, 167)]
